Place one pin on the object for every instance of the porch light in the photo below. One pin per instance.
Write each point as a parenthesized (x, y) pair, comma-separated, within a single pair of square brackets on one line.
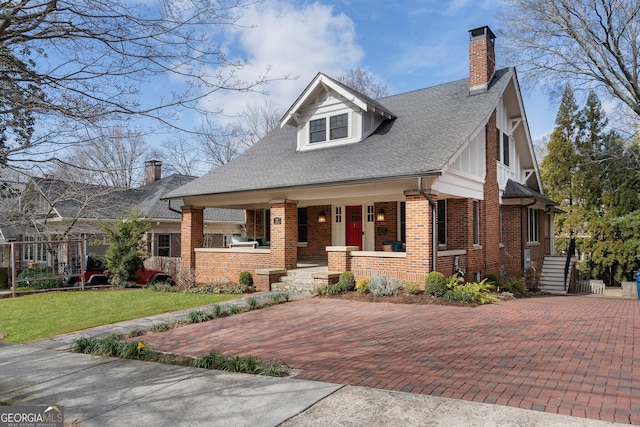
[(380, 216), (322, 217)]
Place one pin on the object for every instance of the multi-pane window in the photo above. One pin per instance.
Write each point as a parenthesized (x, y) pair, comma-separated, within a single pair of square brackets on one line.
[(338, 214), (338, 128), (371, 210), (34, 252), (403, 222), (318, 130), (303, 225), (164, 245), (476, 223), (533, 230), (442, 222)]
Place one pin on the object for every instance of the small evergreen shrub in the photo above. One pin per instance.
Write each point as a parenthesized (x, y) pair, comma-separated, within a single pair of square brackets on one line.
[(363, 285), (347, 282), (245, 279), (435, 284), (198, 316), (412, 288)]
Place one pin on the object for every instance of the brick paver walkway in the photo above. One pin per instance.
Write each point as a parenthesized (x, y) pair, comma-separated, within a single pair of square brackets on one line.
[(574, 355)]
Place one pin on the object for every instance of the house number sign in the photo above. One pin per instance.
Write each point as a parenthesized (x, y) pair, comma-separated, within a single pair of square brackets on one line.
[(277, 220)]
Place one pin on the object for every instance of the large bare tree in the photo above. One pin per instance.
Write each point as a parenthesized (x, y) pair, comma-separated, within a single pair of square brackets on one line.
[(364, 82), (69, 65), (584, 42)]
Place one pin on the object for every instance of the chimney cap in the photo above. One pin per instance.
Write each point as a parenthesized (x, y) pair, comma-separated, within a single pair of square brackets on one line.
[(482, 31)]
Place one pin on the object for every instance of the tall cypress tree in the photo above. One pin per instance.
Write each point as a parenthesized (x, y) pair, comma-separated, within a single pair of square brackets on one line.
[(561, 162)]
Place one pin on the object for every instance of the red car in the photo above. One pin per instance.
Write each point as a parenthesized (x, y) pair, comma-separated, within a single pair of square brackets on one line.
[(94, 273)]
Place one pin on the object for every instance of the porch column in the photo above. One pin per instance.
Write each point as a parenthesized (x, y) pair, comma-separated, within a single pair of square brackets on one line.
[(418, 233), (192, 235), (284, 234)]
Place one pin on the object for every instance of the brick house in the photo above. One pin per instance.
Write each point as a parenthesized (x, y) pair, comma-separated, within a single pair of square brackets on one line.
[(443, 178)]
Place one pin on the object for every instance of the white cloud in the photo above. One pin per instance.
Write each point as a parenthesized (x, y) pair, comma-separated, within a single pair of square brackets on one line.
[(291, 40)]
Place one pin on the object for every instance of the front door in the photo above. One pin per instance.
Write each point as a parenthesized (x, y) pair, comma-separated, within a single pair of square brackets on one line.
[(354, 226)]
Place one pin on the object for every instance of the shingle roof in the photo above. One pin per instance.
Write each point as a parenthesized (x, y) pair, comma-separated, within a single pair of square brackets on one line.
[(514, 190), (432, 124), (102, 202)]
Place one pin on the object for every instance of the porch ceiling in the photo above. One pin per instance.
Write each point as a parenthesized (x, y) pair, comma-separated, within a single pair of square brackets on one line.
[(309, 196)]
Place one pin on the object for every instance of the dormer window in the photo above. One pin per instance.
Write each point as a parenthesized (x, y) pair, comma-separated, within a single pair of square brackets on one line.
[(338, 128)]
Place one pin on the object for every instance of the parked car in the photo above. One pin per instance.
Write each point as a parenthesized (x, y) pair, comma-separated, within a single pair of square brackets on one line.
[(95, 273)]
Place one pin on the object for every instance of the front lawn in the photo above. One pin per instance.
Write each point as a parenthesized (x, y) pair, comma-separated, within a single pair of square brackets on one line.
[(33, 317)]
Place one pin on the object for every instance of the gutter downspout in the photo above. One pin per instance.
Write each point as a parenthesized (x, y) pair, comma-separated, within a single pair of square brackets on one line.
[(523, 238), (434, 218), (172, 209)]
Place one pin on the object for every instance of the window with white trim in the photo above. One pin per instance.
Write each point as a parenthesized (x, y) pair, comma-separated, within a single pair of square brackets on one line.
[(476, 223), (442, 223), (371, 213), (533, 225), (34, 252), (164, 245), (338, 214), (503, 149), (338, 128)]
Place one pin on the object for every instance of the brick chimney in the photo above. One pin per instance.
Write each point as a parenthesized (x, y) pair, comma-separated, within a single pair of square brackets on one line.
[(482, 59), (152, 171)]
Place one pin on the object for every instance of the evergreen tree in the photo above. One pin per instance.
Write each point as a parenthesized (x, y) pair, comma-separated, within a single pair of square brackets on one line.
[(559, 166), (124, 255)]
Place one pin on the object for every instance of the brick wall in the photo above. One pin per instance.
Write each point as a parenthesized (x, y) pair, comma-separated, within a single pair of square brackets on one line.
[(490, 206), (512, 238), (419, 239), (387, 229), (318, 235), (227, 263), (284, 236), (192, 232)]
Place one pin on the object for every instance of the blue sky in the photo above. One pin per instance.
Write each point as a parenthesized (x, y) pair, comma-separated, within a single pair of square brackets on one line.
[(406, 44)]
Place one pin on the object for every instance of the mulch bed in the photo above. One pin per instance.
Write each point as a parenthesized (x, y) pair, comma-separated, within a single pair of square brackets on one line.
[(402, 298)]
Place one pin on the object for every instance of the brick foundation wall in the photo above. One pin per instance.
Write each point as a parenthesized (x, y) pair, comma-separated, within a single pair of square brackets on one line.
[(384, 264), (214, 264)]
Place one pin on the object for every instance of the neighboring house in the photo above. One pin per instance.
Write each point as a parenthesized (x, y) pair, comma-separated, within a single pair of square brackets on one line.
[(443, 178), (53, 209), (9, 202)]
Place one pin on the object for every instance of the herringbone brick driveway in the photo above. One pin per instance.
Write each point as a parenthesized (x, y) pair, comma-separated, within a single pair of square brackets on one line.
[(573, 355)]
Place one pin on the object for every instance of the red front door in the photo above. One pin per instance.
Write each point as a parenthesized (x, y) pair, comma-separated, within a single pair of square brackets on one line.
[(354, 226)]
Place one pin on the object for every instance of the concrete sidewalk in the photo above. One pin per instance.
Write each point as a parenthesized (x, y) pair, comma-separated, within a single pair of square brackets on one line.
[(96, 391)]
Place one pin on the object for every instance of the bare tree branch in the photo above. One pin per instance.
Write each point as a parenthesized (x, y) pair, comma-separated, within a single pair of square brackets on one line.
[(587, 42)]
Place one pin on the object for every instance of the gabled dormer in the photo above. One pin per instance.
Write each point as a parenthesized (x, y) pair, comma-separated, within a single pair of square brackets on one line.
[(329, 113)]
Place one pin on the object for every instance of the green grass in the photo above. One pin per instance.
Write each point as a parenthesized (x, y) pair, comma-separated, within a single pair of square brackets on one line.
[(33, 317)]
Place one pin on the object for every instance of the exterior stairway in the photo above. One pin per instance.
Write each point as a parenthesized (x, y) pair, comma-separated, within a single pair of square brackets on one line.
[(552, 275), (299, 281)]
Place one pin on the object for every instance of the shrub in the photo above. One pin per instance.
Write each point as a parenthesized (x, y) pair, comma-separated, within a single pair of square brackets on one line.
[(412, 287), (244, 364), (514, 286), (40, 278), (4, 277), (245, 279), (161, 287), (380, 286), (435, 284), (228, 288), (492, 279), (198, 316), (363, 285), (471, 292), (252, 303), (347, 282)]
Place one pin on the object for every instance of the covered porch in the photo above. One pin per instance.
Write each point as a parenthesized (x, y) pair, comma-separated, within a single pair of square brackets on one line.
[(391, 229)]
